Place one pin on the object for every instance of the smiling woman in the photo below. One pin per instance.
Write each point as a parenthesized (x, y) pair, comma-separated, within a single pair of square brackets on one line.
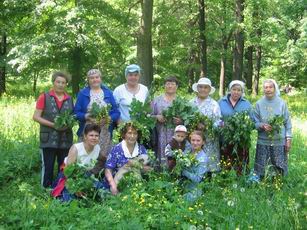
[(125, 93), (272, 145), (231, 104), (124, 154), (54, 143), (97, 94)]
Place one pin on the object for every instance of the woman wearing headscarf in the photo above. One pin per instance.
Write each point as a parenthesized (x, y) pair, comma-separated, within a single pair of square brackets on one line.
[(234, 102), (210, 108), (272, 147), (100, 94)]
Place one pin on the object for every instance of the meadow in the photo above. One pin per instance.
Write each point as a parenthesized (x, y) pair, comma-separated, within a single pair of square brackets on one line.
[(228, 202)]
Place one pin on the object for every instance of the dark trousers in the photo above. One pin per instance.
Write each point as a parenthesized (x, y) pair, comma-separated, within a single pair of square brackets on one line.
[(48, 160)]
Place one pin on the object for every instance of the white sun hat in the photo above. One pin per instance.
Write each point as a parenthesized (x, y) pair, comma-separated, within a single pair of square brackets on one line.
[(203, 81)]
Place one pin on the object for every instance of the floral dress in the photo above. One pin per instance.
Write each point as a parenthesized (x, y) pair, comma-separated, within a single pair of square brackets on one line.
[(210, 108), (164, 133), (105, 142)]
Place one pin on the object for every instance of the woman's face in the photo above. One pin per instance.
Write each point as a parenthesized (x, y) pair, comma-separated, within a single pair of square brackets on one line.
[(94, 81), (203, 91), (236, 92), (133, 78), (59, 84), (170, 87), (269, 89), (197, 142), (91, 138), (131, 136)]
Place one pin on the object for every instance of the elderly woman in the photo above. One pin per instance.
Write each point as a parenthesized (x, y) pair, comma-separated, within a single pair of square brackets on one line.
[(131, 89), (160, 103), (272, 146), (232, 103), (124, 153), (97, 93), (54, 143), (210, 108)]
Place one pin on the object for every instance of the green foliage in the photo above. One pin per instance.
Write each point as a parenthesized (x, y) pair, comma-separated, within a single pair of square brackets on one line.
[(276, 122), (141, 112), (65, 120), (143, 132), (130, 179), (198, 121), (154, 203), (237, 131), (180, 108), (183, 161), (79, 180), (100, 113)]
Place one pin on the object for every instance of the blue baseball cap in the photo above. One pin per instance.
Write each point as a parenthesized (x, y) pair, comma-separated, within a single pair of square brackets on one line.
[(132, 69)]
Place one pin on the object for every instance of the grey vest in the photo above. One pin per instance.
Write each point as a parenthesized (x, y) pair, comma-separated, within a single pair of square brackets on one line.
[(49, 137)]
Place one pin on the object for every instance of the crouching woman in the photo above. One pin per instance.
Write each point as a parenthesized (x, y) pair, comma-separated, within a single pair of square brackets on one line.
[(85, 154), (197, 171), (125, 155)]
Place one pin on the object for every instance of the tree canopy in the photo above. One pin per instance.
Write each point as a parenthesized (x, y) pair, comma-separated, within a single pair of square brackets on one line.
[(76, 35)]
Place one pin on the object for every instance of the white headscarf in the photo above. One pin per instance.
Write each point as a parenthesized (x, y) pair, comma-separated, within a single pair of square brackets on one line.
[(277, 91), (237, 82)]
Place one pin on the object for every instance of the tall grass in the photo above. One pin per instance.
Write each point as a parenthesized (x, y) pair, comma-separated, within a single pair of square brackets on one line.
[(228, 202)]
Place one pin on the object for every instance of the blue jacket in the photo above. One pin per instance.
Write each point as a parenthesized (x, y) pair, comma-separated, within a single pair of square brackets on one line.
[(228, 110), (83, 100)]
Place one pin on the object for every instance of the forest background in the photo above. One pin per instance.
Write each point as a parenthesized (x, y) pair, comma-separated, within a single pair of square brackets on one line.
[(219, 39)]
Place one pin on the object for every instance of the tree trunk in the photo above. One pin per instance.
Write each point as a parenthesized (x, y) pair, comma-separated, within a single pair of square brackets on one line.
[(202, 37), (257, 70), (3, 46), (75, 69), (222, 76), (249, 71), (144, 42), (239, 42), (35, 77)]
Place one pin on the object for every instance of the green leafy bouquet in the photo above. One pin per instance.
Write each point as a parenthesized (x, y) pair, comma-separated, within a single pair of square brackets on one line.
[(199, 121), (79, 181), (143, 132), (183, 160), (276, 122), (65, 119), (237, 131), (129, 180), (100, 113), (180, 108), (141, 112)]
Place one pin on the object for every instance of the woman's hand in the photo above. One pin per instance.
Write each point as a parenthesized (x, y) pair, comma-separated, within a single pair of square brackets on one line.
[(288, 145), (147, 168), (177, 120), (200, 126), (266, 127), (160, 118), (90, 119), (113, 189)]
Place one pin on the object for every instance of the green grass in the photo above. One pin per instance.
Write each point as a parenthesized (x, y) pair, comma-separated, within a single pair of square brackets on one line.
[(227, 203)]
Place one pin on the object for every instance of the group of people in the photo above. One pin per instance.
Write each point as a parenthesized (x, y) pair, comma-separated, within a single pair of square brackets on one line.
[(94, 140)]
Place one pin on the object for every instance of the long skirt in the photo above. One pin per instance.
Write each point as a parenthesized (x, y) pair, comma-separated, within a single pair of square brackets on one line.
[(271, 157)]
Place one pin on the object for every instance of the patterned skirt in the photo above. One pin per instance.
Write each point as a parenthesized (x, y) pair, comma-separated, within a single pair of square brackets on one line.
[(271, 157)]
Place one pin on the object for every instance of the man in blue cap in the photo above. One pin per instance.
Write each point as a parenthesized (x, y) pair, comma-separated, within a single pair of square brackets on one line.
[(124, 93)]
